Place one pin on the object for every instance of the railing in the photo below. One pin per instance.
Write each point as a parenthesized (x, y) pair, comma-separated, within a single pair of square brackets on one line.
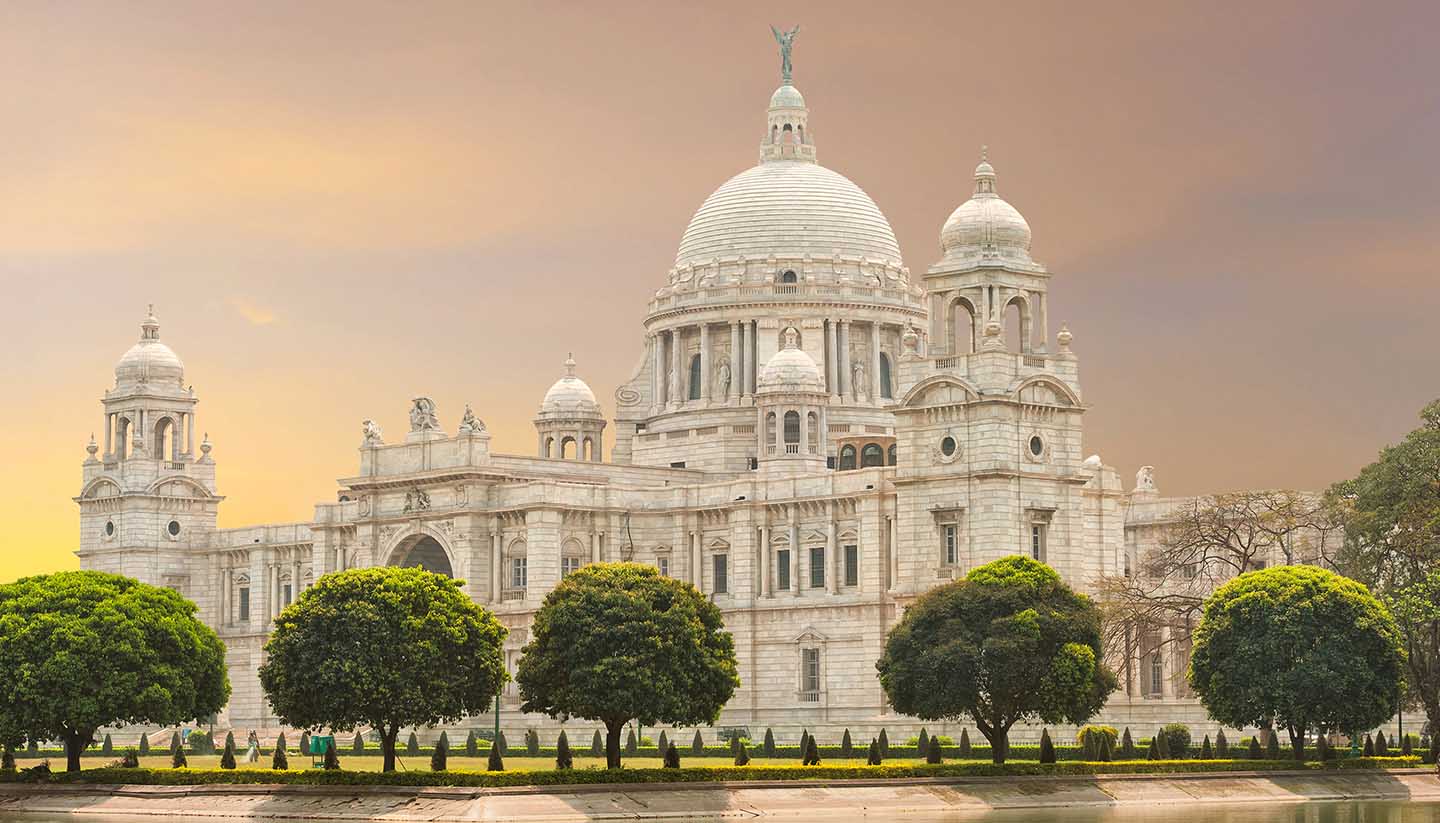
[(944, 362), (179, 467), (786, 289), (769, 448), (1033, 362), (810, 697), (509, 595), (792, 448), (112, 466)]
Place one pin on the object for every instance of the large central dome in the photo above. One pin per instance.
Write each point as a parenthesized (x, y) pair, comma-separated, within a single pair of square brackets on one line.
[(788, 208)]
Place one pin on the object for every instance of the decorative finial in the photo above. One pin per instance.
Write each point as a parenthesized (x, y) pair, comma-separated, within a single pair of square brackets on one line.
[(792, 338), (1064, 338), (92, 447), (150, 328), (786, 39), (984, 154), (570, 364)]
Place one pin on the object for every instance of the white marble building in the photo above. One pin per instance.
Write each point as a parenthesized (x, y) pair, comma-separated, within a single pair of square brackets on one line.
[(813, 436)]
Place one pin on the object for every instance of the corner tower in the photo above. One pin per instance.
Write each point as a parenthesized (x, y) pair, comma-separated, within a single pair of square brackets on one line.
[(147, 500)]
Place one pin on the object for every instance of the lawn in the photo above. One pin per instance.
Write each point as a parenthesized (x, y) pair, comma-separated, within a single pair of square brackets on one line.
[(372, 762)]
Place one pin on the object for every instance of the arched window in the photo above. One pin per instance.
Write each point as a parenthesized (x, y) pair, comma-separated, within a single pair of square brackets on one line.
[(424, 553), (164, 442), (695, 377), (962, 339), (812, 427), (589, 450), (872, 455), (788, 135), (1017, 325), (549, 447), (847, 458), (892, 455), (567, 448), (122, 438), (885, 390), (792, 428), (770, 433), (788, 276)]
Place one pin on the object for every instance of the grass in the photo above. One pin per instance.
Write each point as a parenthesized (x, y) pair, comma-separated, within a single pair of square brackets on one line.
[(457, 763)]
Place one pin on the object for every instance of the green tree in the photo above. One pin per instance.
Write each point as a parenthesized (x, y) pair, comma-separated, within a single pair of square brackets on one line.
[(664, 741), (332, 757), (1298, 647), (280, 761), (884, 743), (812, 753), (1177, 740), (1206, 753), (1127, 746), (1161, 741), (388, 647), (616, 642), (1392, 525), (935, 751), (872, 755), (1222, 746), (1010, 642), (84, 650)]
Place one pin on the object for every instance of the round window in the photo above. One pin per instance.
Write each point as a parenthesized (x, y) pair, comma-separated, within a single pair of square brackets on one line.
[(947, 446), (173, 528), (109, 528), (1037, 446)]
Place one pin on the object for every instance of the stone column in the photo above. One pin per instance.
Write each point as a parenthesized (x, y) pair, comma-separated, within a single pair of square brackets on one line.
[(734, 388), (295, 580), (676, 390), (190, 433), (842, 363), (1042, 322), (830, 357), (497, 569), (1166, 652), (594, 547), (794, 552), (750, 364), (874, 390), (804, 429), (227, 585), (657, 380), (697, 559), (894, 552), (765, 561), (109, 430), (938, 318), (832, 554), (705, 363)]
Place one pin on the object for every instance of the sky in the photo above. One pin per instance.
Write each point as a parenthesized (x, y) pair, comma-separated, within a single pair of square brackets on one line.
[(336, 207)]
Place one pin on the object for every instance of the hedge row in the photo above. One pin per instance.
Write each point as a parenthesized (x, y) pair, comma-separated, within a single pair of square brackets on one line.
[(692, 774)]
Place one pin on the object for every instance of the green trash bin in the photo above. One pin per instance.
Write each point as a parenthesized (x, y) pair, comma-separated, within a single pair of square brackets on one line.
[(319, 745)]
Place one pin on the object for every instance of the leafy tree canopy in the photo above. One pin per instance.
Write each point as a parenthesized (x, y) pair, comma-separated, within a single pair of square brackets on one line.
[(85, 649), (387, 647), (1299, 647), (618, 641), (1010, 642)]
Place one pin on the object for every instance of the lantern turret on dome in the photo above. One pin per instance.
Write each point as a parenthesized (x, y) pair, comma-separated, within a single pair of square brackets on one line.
[(985, 226), (149, 362), (570, 423)]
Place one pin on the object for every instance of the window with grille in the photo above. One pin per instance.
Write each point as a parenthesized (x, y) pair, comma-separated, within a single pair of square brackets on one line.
[(568, 565), (952, 544), (244, 602), (1037, 541), (810, 675), (852, 565), (519, 572), (817, 567), (663, 564), (782, 569), (1157, 674), (720, 565), (286, 595)]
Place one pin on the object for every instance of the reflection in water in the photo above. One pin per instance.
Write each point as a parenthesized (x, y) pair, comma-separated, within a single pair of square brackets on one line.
[(1314, 812)]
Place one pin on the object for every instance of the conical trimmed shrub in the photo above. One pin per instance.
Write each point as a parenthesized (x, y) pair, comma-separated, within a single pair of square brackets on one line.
[(444, 741), (734, 745), (1107, 753), (280, 761), (1047, 747), (144, 743), (631, 744), (1162, 745), (504, 744), (847, 747), (965, 751), (304, 742), (1406, 748), (664, 742), (769, 745), (872, 755), (884, 744), (472, 744), (935, 751), (357, 745), (175, 745), (1127, 745), (412, 744), (1272, 745), (1222, 746), (332, 758), (697, 746), (1205, 752), (922, 742), (672, 757), (804, 742), (742, 757), (107, 748), (812, 752), (532, 743), (497, 760), (1382, 746), (1154, 752), (1369, 746), (227, 759), (563, 758), (597, 745), (1254, 749), (177, 758), (440, 756)]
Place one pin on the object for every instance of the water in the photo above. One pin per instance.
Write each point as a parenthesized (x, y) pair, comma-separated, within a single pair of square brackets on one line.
[(1312, 812)]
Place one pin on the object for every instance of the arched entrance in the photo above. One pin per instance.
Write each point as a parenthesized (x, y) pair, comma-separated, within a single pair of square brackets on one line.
[(422, 552)]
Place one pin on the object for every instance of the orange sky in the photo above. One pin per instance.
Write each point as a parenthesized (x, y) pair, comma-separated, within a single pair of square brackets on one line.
[(338, 206)]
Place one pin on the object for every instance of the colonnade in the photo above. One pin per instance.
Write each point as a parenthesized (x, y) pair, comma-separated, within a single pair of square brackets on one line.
[(984, 304), (120, 427)]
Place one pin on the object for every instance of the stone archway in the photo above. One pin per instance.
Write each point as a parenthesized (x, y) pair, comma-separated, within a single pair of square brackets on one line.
[(423, 552)]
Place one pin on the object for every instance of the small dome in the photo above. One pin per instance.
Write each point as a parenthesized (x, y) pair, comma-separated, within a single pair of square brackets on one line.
[(570, 396), (149, 361), (985, 225), (787, 97), (791, 369)]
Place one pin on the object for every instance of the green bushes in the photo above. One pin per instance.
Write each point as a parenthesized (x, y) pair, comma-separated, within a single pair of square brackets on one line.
[(872, 755), (227, 759), (672, 757), (280, 761), (692, 774), (1091, 734), (1177, 740)]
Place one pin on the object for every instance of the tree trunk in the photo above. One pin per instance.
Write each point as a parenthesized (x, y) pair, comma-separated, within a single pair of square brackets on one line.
[(1297, 742), (387, 745), (999, 738), (612, 743), (75, 743)]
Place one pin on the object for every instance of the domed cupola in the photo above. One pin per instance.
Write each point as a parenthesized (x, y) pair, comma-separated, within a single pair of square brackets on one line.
[(985, 226), (570, 422), (149, 362), (790, 396), (790, 370)]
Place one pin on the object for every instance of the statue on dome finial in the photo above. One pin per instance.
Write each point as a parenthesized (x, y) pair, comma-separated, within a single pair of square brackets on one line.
[(786, 39)]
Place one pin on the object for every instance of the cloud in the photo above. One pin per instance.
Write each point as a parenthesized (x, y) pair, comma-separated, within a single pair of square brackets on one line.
[(253, 314)]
